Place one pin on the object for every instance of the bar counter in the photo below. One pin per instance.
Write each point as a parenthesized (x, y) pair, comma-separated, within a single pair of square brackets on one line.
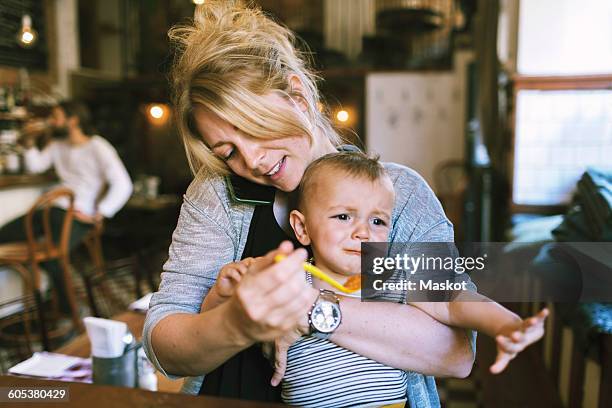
[(19, 192), (25, 180)]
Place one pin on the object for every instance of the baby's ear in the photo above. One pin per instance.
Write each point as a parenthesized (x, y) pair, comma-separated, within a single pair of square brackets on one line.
[(298, 223)]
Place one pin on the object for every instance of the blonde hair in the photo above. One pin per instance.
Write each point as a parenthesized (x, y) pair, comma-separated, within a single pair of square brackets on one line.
[(356, 165), (227, 58)]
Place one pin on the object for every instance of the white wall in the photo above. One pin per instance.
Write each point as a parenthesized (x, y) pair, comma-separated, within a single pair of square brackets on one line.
[(418, 119)]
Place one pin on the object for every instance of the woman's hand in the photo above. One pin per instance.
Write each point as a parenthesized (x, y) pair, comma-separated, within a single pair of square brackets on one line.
[(513, 340), (272, 299)]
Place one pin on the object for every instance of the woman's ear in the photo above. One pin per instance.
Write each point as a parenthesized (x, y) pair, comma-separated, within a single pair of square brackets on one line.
[(298, 223), (297, 92)]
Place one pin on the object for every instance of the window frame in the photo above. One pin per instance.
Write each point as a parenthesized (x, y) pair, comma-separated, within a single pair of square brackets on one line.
[(546, 83)]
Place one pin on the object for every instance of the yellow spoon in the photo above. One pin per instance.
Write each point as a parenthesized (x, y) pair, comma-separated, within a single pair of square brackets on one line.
[(319, 274)]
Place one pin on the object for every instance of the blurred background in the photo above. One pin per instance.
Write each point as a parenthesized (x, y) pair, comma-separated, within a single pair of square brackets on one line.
[(503, 106)]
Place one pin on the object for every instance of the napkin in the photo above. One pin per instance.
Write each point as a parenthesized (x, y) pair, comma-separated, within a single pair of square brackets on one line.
[(106, 337), (48, 365)]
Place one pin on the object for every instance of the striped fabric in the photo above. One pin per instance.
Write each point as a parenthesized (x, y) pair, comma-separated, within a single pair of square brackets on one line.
[(323, 374)]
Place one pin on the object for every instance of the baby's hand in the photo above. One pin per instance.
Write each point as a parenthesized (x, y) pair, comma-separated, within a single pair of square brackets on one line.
[(512, 340), (230, 275)]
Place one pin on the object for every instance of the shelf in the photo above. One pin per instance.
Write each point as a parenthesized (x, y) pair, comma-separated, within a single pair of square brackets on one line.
[(12, 116)]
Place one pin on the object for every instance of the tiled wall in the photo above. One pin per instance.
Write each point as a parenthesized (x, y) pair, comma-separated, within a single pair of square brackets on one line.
[(418, 119)]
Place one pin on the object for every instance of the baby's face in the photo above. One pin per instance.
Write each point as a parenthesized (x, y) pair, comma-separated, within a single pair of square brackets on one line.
[(341, 213)]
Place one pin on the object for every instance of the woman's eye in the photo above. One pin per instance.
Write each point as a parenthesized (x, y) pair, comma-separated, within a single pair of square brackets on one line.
[(342, 217), (228, 156)]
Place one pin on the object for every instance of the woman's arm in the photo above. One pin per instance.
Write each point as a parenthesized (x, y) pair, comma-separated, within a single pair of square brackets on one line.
[(192, 345), (404, 337), (269, 302)]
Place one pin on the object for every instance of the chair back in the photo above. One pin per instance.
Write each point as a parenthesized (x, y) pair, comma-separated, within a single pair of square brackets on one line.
[(45, 203)]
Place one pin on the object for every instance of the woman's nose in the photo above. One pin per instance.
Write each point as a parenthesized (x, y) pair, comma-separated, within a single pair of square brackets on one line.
[(252, 155)]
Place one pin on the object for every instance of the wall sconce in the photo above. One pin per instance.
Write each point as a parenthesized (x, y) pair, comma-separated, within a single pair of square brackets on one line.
[(342, 116), (157, 113), (345, 116), (27, 36)]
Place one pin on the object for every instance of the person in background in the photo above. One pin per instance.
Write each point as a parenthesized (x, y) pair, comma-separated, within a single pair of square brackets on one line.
[(85, 163)]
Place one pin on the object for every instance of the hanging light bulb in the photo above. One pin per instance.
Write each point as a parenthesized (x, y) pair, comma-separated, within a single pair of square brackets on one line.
[(342, 116), (156, 111), (27, 36)]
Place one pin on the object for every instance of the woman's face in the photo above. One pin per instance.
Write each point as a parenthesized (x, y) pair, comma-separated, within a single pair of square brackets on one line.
[(277, 162)]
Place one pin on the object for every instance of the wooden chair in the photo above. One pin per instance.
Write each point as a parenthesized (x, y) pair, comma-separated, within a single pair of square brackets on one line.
[(34, 250), (20, 319), (93, 243)]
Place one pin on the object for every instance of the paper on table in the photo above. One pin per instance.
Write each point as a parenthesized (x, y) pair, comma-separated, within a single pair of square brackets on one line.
[(44, 364), (142, 304), (106, 336)]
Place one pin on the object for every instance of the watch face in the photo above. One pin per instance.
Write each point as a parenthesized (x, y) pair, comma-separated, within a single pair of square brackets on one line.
[(325, 317)]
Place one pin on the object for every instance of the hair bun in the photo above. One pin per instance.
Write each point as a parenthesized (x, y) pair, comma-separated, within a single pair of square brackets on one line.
[(224, 14)]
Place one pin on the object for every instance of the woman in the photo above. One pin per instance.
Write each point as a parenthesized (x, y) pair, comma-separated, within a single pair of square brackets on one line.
[(247, 110)]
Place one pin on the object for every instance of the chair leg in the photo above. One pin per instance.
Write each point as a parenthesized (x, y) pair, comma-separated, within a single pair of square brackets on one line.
[(94, 247), (76, 318), (32, 285), (40, 299), (90, 295), (44, 336)]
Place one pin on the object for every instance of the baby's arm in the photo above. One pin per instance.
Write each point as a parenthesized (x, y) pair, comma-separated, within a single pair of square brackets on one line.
[(229, 277), (471, 310)]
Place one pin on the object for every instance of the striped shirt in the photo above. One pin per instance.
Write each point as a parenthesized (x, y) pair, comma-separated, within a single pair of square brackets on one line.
[(322, 374)]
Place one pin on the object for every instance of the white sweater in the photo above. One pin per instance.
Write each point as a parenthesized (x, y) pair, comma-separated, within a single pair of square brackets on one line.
[(86, 169)]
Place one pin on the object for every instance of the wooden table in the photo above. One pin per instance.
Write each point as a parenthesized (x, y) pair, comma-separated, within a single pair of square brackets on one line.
[(93, 396), (80, 347)]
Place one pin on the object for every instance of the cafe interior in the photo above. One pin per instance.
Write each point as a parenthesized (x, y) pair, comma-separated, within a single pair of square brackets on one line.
[(504, 107)]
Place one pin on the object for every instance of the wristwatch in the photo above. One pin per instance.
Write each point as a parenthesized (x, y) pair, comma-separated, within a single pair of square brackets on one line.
[(325, 316)]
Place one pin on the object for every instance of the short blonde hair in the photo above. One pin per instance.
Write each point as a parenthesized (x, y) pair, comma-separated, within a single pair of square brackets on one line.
[(356, 165), (227, 59)]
